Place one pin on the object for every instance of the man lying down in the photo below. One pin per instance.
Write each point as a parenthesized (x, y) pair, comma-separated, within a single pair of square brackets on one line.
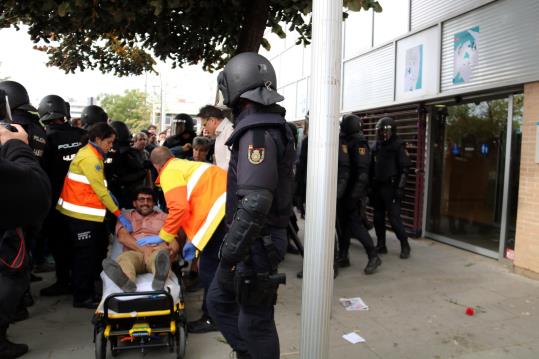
[(143, 251)]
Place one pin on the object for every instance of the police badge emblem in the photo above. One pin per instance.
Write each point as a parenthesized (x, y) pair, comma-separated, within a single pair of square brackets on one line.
[(255, 155)]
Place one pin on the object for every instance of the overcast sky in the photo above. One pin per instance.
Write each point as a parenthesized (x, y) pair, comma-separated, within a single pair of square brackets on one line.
[(20, 62)]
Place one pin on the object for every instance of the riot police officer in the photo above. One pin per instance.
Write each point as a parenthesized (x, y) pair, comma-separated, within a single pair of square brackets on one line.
[(22, 113), (183, 134), (128, 170), (389, 173), (25, 200), (243, 293), (63, 142), (352, 191)]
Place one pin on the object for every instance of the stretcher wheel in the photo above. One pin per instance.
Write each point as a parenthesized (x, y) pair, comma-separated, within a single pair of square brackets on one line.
[(181, 341), (100, 345), (113, 342)]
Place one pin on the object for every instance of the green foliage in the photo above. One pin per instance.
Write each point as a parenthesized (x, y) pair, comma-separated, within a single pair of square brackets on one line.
[(124, 36), (131, 108)]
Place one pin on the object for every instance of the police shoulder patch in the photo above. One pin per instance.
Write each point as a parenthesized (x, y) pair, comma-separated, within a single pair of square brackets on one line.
[(255, 155), (344, 148)]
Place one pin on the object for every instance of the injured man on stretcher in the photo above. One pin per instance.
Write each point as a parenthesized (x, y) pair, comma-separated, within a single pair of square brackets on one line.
[(143, 250)]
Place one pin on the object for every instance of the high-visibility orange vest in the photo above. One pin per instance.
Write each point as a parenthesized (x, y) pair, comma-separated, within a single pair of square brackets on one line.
[(195, 193), (85, 195)]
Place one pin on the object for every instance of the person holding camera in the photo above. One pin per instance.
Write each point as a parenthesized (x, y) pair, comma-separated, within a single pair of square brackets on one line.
[(27, 190), (243, 293)]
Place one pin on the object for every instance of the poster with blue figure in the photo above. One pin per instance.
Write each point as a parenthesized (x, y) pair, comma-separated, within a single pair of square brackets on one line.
[(413, 74), (466, 54)]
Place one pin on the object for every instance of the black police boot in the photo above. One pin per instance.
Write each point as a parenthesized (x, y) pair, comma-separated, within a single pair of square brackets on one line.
[(343, 261), (9, 350), (35, 278), (242, 355), (90, 303), (405, 249), (58, 288), (203, 325), (374, 262), (381, 247)]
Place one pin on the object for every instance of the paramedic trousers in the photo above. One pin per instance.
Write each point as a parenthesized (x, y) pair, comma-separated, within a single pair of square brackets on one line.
[(89, 242)]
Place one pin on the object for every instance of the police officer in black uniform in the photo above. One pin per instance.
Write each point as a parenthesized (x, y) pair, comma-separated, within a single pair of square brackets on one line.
[(23, 113), (352, 191), (243, 293), (389, 173), (128, 169), (63, 142), (25, 201), (183, 134)]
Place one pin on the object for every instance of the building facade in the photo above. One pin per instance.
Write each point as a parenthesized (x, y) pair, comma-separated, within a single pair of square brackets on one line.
[(462, 80)]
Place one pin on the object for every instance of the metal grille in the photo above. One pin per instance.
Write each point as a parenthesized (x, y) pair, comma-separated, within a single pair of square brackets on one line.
[(411, 122)]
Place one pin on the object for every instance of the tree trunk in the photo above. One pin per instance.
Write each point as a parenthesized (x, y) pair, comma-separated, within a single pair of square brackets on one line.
[(256, 17)]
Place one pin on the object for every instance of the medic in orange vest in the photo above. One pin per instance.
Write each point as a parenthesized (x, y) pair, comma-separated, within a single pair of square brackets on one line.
[(195, 193)]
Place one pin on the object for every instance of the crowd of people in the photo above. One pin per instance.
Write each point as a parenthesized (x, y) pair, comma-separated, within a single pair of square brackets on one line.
[(221, 199)]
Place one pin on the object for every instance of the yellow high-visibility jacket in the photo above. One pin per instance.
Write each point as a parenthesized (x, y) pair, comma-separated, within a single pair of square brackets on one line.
[(195, 193), (85, 195)]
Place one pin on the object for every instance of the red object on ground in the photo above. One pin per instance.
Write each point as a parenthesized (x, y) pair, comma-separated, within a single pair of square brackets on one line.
[(470, 311)]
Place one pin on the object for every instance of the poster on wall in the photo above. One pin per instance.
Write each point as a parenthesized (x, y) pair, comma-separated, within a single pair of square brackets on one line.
[(413, 73), (418, 63), (465, 54)]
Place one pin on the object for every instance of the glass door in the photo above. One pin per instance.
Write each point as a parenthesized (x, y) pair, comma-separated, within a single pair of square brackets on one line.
[(466, 194)]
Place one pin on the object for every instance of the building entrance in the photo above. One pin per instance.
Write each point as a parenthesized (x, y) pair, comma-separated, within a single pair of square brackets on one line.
[(474, 157)]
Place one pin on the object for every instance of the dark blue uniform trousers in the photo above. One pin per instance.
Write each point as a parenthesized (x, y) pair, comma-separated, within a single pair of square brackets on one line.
[(209, 261), (248, 328)]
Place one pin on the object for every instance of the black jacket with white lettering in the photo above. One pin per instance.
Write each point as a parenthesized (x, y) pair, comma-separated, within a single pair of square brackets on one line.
[(63, 142)]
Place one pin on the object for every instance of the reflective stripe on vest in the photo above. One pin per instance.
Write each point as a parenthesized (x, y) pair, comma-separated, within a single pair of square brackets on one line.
[(195, 177), (213, 215), (82, 209), (80, 178)]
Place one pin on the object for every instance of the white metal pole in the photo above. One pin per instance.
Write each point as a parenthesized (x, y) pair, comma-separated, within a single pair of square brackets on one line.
[(321, 178)]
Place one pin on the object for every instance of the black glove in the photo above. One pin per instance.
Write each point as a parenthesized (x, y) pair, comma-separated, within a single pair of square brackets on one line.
[(225, 276)]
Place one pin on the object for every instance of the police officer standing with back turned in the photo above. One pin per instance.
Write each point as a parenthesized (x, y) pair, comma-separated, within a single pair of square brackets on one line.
[(25, 201), (63, 143), (389, 173), (354, 192), (243, 293)]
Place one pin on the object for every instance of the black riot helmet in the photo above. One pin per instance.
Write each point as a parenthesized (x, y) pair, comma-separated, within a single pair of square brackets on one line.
[(386, 128), (351, 124), (250, 76), (123, 136), (17, 95), (93, 114), (52, 107), (182, 123)]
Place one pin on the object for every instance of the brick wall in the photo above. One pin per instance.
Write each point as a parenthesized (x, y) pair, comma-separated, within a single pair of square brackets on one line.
[(527, 233)]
